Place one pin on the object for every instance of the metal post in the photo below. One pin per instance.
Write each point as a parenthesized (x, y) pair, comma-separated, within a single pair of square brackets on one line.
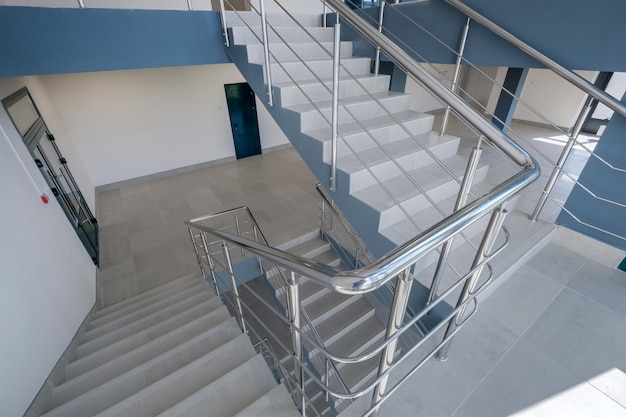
[(209, 257), (497, 218), (233, 286), (396, 317), (189, 5), (457, 73), (461, 199), (224, 24), (324, 14), (335, 115), (195, 249), (243, 252), (293, 294), (266, 51), (81, 4), (381, 15), (322, 219), (573, 137), (326, 383)]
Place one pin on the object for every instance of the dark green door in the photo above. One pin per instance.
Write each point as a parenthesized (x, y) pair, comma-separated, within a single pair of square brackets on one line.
[(243, 119)]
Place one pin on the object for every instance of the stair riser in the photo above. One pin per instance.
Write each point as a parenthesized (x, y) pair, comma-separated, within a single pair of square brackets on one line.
[(354, 112), (312, 70), (139, 339), (347, 88), (293, 35), (253, 19), (383, 171), (420, 202), (281, 52), (329, 313)]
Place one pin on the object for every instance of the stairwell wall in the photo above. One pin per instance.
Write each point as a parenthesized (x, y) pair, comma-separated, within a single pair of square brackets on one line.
[(48, 280)]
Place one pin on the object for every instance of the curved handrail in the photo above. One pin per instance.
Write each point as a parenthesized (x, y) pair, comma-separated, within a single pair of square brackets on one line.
[(560, 70)]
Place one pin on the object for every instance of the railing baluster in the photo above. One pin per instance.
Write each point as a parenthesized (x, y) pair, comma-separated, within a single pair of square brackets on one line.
[(381, 16), (457, 73), (189, 5), (209, 257), (489, 238), (335, 111), (224, 24), (466, 186), (396, 317), (266, 52), (293, 294), (233, 286), (81, 4)]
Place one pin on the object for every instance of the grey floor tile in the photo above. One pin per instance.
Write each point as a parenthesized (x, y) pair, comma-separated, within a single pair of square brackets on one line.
[(581, 335), (521, 299), (602, 284), (557, 262)]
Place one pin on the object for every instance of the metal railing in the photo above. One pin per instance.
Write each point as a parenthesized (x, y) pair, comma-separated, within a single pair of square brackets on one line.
[(557, 165)]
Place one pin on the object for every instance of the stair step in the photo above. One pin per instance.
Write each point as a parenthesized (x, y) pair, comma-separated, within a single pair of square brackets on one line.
[(153, 294), (276, 403), (359, 338), (311, 248), (142, 308), (250, 36), (129, 327), (355, 108), (352, 315), (156, 348), (313, 90), (252, 18), (315, 69), (309, 291), (225, 396), (408, 152), (435, 182), (212, 311), (168, 369), (328, 305), (162, 394), (301, 51)]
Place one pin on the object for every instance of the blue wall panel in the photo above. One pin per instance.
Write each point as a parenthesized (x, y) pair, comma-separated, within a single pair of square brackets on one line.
[(37, 41), (605, 183)]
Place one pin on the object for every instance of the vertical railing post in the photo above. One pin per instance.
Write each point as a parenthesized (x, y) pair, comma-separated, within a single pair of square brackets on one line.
[(322, 219), (293, 304), (381, 16), (224, 24), (266, 52), (189, 5), (243, 252), (195, 249), (335, 111), (396, 317), (324, 14), (461, 199), (233, 286), (457, 73), (489, 238), (573, 137), (81, 4), (209, 257)]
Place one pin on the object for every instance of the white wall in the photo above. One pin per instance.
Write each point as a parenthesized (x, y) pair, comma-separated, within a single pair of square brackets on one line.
[(128, 124), (551, 96), (47, 283)]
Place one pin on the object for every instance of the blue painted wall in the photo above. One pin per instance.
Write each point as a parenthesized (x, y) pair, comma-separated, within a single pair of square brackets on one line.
[(605, 183), (36, 41)]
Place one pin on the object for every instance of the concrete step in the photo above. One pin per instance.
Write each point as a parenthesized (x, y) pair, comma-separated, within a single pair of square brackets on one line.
[(351, 109), (311, 248), (150, 295), (250, 36), (301, 51), (226, 396), (363, 167), (103, 324), (128, 327), (160, 395), (327, 306), (211, 311), (252, 18), (180, 366), (435, 182), (291, 94), (276, 403), (353, 314), (156, 349), (315, 69)]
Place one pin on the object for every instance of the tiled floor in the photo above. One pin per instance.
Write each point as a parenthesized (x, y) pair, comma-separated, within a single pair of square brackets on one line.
[(549, 342)]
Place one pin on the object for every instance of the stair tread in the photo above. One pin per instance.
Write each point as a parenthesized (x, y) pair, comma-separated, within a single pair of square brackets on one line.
[(154, 350), (146, 294), (125, 329), (327, 80), (358, 311), (276, 403), (175, 387), (211, 310), (110, 321), (361, 337), (346, 101), (227, 395), (313, 245)]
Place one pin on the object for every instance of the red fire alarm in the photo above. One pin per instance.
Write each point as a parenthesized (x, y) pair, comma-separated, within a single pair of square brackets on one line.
[(44, 198)]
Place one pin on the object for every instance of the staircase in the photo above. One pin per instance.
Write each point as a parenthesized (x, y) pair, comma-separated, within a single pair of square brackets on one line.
[(171, 351), (347, 325)]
